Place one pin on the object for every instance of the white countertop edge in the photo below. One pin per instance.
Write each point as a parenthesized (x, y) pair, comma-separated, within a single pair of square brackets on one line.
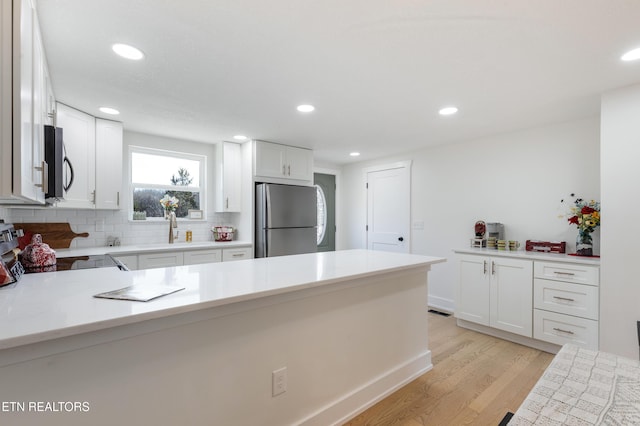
[(149, 248), (532, 255), (101, 324)]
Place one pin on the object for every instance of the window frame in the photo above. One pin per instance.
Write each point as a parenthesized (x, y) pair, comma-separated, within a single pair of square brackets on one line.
[(201, 189)]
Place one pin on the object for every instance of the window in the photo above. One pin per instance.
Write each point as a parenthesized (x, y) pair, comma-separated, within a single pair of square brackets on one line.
[(322, 214), (156, 173)]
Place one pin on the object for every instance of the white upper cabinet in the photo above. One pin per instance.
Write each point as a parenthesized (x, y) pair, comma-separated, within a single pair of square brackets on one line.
[(109, 140), (228, 177), (22, 106), (79, 135), (282, 163), (94, 149)]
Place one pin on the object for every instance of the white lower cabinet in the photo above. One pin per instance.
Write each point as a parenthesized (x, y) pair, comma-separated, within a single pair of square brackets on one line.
[(496, 292), (237, 253), (160, 260), (183, 257), (566, 304), (554, 302), (202, 256)]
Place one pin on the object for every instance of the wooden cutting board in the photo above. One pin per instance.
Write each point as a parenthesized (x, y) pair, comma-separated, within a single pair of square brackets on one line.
[(56, 235)]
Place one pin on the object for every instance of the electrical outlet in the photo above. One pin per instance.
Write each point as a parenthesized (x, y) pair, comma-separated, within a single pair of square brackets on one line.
[(279, 381)]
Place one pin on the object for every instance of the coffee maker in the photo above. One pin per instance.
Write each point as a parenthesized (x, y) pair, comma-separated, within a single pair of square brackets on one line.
[(495, 230)]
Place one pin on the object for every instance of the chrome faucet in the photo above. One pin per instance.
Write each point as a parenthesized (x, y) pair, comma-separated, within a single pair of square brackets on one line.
[(173, 223)]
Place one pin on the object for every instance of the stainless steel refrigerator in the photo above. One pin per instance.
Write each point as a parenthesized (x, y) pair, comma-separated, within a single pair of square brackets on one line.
[(286, 219)]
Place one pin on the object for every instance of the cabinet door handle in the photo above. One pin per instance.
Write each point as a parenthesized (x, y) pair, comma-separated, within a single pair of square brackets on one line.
[(118, 199), (484, 267), (227, 202), (284, 169), (563, 298), (563, 331), (289, 168), (44, 169), (564, 273), (493, 267)]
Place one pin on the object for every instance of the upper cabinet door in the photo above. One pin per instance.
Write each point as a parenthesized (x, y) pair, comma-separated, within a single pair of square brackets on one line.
[(299, 163), (108, 164), (22, 144), (79, 135), (229, 177), (270, 160)]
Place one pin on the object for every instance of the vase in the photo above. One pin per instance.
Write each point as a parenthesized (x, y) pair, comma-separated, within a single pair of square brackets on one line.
[(584, 243)]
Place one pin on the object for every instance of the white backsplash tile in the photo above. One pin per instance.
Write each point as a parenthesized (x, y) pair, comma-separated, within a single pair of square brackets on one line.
[(101, 224)]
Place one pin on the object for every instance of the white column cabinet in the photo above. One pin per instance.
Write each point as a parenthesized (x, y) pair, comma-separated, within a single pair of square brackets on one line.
[(229, 177), (283, 162), (495, 292)]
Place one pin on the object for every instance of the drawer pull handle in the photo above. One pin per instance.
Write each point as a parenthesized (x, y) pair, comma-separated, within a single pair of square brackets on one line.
[(563, 298), (564, 273), (563, 331), (237, 254)]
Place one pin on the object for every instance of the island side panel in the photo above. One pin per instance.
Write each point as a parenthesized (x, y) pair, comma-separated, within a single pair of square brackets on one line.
[(343, 349)]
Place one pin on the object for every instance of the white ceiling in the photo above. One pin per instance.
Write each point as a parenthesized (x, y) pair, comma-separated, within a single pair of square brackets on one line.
[(377, 71)]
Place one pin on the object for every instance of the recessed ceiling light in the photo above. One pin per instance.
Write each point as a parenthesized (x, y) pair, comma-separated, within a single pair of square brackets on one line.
[(632, 55), (240, 137), (354, 154), (448, 110), (127, 51), (305, 108), (111, 111)]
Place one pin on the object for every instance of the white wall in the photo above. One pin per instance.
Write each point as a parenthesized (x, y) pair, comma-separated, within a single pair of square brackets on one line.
[(619, 284), (517, 179), (101, 224)]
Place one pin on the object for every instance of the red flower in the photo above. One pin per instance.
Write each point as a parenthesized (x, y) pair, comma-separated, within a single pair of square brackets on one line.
[(587, 210), (573, 220)]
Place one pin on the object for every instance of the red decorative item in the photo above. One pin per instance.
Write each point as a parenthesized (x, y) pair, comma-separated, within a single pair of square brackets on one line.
[(546, 246), (37, 254)]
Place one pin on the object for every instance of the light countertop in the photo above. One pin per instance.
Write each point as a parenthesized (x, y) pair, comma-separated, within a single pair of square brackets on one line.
[(149, 248), (57, 304), (532, 255)]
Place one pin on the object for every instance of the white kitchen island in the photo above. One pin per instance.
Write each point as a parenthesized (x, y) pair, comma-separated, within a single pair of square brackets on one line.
[(349, 327)]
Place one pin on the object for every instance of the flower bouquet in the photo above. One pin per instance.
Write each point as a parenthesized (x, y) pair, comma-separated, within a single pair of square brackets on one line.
[(170, 204), (586, 216)]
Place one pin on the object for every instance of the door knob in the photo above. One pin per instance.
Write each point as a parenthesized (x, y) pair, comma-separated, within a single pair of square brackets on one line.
[(401, 239)]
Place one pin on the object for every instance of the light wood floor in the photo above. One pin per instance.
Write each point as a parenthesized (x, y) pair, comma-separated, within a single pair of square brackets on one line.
[(475, 380)]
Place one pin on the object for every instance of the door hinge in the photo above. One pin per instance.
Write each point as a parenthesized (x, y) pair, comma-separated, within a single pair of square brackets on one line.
[(367, 185)]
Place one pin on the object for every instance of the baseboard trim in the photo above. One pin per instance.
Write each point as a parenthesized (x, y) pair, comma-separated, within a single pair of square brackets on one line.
[(355, 402), (523, 340), (441, 304)]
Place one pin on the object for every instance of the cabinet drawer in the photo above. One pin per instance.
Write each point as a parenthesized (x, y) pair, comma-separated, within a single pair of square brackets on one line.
[(581, 274), (237, 254), (566, 298), (159, 260), (196, 257), (560, 329)]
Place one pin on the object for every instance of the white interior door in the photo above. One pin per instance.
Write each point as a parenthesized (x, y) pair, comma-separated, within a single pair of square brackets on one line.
[(388, 208)]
